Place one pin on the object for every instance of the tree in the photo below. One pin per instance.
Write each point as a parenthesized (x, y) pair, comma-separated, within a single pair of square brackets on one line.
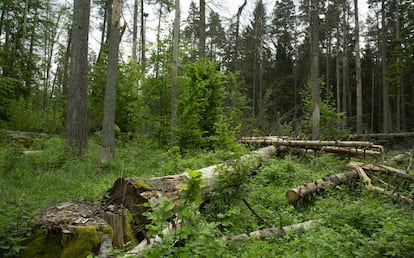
[(76, 131), (176, 41), (202, 28), (385, 86), (358, 71), (215, 35), (108, 124), (314, 26), (135, 31), (236, 38)]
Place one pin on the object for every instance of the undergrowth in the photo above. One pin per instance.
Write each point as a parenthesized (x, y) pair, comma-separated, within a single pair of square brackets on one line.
[(355, 222)]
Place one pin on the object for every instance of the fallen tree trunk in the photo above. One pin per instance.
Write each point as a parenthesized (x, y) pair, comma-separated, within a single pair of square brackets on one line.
[(358, 171), (301, 191), (352, 148), (305, 143), (382, 168), (133, 193), (393, 195), (274, 231)]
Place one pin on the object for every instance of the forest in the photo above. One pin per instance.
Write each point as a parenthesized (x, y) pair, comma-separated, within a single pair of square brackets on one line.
[(108, 98)]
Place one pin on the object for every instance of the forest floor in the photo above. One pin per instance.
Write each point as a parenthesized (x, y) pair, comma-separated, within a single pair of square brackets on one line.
[(355, 222)]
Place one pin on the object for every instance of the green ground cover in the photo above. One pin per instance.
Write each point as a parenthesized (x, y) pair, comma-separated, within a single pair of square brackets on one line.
[(355, 221)]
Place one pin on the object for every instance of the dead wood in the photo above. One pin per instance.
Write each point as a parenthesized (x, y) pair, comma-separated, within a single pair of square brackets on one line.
[(301, 191), (384, 169), (305, 143), (393, 195), (350, 148), (133, 193), (272, 232)]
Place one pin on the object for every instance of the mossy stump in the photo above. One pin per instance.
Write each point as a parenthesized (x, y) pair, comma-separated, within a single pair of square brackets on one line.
[(76, 229)]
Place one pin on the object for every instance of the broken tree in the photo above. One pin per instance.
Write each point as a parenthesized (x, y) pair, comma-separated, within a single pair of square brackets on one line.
[(133, 193)]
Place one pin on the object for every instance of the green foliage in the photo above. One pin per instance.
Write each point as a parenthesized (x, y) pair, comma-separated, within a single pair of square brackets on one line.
[(16, 225), (24, 116), (332, 123), (129, 103), (194, 236), (200, 107)]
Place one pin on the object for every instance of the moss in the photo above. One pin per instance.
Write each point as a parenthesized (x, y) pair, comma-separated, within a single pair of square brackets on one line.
[(142, 185), (43, 245), (85, 241), (129, 234)]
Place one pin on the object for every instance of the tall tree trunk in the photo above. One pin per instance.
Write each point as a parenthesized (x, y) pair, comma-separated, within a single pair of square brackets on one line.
[(314, 23), (345, 62), (399, 107), (385, 86), (338, 73), (358, 71), (76, 131), (176, 41), (135, 32), (108, 124), (202, 27), (143, 16), (236, 43), (105, 30)]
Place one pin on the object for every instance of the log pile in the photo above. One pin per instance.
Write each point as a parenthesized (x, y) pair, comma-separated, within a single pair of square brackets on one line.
[(350, 148)]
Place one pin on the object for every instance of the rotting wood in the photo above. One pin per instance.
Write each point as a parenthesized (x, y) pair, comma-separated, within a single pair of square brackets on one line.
[(133, 193), (301, 191), (149, 243), (273, 231)]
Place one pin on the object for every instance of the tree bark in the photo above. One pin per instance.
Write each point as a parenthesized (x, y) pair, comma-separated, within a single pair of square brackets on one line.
[(358, 71), (76, 130), (271, 232), (301, 191), (135, 32), (202, 28), (108, 124), (314, 23), (385, 86), (176, 41)]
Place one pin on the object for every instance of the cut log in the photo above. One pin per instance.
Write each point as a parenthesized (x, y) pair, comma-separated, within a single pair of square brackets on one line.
[(305, 143), (274, 231), (133, 193), (306, 189), (351, 148), (382, 168)]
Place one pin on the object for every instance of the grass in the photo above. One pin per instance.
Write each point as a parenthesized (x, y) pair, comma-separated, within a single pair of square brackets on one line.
[(356, 222)]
